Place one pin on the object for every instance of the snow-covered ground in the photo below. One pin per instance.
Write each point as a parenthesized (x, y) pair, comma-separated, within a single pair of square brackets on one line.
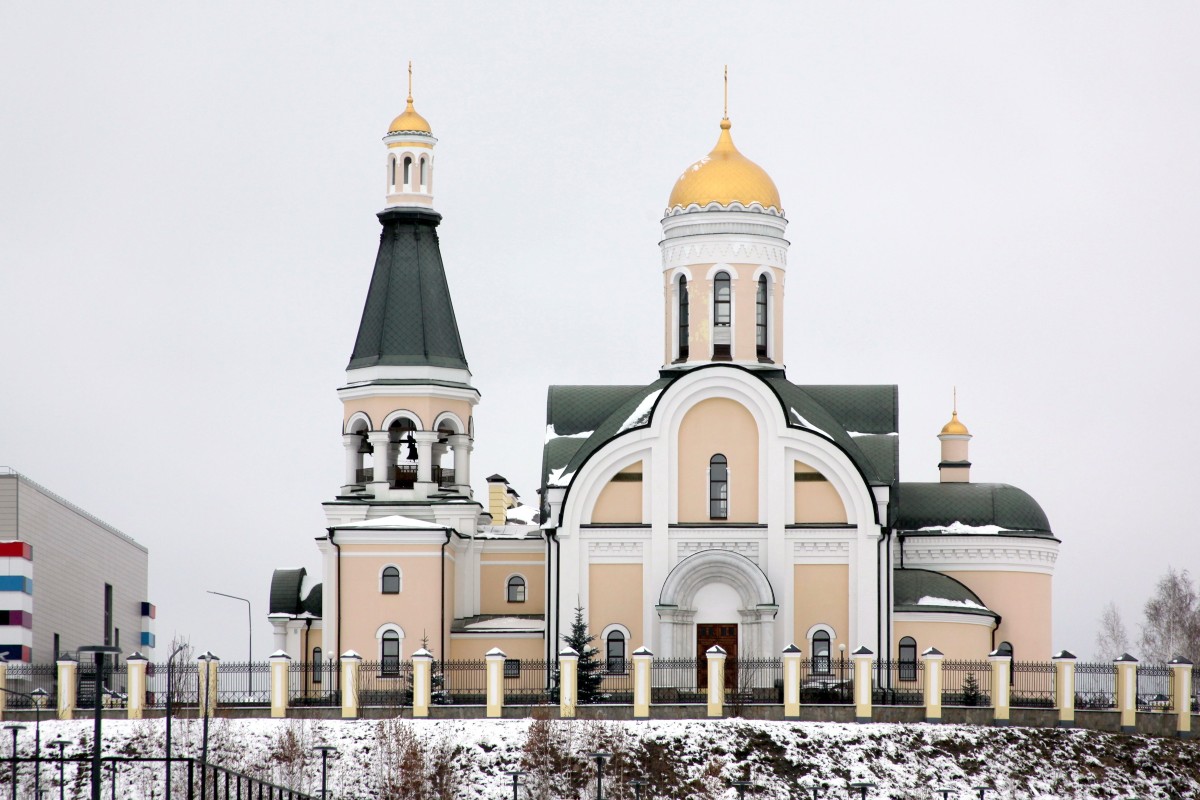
[(681, 759)]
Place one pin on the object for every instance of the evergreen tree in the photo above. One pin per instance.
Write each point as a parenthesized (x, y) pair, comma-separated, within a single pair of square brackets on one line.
[(438, 695), (591, 670), (970, 690)]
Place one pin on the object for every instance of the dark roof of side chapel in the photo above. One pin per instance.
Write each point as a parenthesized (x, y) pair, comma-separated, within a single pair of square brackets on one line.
[(602, 412), (408, 319), (911, 585), (933, 505), (285, 594)]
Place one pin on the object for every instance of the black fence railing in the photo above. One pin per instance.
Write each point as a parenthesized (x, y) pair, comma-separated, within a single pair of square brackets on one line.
[(314, 683), (966, 683), (898, 682), (1032, 684), (462, 682), (1154, 687), (527, 681), (242, 684), (386, 683), (132, 776), (1095, 685), (616, 686), (826, 681), (25, 678), (753, 681), (678, 680)]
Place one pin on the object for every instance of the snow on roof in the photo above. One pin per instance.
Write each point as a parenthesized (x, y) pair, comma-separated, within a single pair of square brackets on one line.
[(508, 624), (551, 434), (508, 532), (559, 477), (641, 414), (942, 601), (958, 527), (802, 421), (523, 514), (395, 521), (859, 433)]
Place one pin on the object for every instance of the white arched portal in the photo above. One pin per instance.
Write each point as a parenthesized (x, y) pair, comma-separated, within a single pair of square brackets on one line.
[(725, 586)]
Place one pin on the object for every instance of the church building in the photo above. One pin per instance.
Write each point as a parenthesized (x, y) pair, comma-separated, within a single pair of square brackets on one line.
[(718, 503)]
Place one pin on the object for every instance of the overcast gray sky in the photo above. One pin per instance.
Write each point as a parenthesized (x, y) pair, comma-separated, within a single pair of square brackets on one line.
[(1002, 197)]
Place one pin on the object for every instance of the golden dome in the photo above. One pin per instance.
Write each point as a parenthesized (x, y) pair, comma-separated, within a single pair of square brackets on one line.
[(410, 120), (724, 176), (954, 427)]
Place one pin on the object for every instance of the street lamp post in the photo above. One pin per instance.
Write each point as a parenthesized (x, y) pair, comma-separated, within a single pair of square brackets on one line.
[(15, 730), (208, 658), (600, 758), (862, 787), (99, 651), (249, 622), (741, 787), (38, 696), (60, 744), (945, 793), (324, 750), (515, 774), (638, 784), (170, 691), (983, 790)]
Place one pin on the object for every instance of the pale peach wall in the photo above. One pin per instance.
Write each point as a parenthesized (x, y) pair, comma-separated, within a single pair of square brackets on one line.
[(365, 608), (718, 425), (427, 408), (955, 640), (1023, 600), (744, 292), (954, 450), (621, 500), (475, 647), (822, 596), (615, 597), (777, 322), (816, 501), (493, 587)]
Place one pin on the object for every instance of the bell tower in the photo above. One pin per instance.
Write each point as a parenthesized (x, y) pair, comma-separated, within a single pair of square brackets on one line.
[(407, 425), (724, 261)]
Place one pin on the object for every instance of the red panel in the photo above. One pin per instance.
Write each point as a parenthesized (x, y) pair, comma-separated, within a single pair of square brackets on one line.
[(16, 549)]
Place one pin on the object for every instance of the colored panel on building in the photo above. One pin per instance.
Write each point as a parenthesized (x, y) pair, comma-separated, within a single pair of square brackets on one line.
[(15, 652), (16, 549), (149, 610), (16, 583), (20, 619), (147, 639)]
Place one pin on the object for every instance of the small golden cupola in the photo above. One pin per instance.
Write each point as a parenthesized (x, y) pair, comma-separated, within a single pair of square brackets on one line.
[(410, 144), (724, 259), (955, 466)]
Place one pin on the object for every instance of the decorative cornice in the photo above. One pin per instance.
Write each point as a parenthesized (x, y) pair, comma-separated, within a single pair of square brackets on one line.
[(813, 551), (687, 254), (747, 549), (981, 553)]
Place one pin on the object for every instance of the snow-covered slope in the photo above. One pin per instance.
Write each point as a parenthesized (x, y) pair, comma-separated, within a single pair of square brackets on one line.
[(686, 759)]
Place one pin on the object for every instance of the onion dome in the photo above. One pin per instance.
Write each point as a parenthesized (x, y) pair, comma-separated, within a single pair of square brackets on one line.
[(724, 176), (954, 427), (409, 121)]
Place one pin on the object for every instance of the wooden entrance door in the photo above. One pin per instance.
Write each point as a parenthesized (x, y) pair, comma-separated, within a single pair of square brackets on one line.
[(708, 634)]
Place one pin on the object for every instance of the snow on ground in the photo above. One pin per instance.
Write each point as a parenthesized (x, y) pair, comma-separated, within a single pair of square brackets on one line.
[(467, 759)]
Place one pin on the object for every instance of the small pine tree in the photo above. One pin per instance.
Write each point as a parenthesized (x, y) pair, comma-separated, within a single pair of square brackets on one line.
[(590, 670), (970, 690), (438, 695)]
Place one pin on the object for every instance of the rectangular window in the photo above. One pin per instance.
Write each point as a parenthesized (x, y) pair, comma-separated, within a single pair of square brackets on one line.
[(512, 667), (108, 614), (316, 665), (116, 637), (57, 646)]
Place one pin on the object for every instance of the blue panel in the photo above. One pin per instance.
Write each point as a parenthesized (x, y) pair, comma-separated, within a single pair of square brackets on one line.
[(16, 583), (147, 639)]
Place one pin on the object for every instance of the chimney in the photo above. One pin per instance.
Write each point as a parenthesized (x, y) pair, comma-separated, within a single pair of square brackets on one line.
[(500, 499)]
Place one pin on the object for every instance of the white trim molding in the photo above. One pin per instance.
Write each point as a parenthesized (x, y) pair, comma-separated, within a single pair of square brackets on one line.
[(944, 616), (979, 553)]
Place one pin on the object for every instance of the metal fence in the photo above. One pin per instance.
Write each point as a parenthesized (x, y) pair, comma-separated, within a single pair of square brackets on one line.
[(752, 681), (1095, 685), (241, 683), (185, 685), (25, 678), (313, 683), (1154, 685), (898, 682), (678, 680), (385, 683), (463, 682), (1032, 684), (966, 683), (616, 683), (826, 681), (527, 681)]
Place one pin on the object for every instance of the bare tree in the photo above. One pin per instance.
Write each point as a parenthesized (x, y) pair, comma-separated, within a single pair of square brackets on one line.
[(1172, 619), (1112, 639)]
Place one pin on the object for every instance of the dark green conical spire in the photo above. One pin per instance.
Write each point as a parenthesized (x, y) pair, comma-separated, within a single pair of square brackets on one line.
[(408, 319)]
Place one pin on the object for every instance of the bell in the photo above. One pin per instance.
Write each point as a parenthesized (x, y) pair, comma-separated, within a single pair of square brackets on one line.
[(364, 446), (412, 448)]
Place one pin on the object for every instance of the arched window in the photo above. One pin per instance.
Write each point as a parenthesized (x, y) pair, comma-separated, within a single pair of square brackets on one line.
[(516, 589), (683, 319), (390, 580), (1006, 649), (718, 487), (908, 659), (389, 653), (408, 170), (820, 653), (614, 660), (760, 318), (722, 296), (316, 665), (392, 173), (424, 180)]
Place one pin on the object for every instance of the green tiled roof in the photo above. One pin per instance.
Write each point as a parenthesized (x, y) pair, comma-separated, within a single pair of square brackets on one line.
[(909, 586), (605, 410), (285, 591), (925, 505), (408, 319)]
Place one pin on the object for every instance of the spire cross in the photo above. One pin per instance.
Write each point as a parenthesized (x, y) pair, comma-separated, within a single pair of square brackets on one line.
[(726, 110), (956, 401), (410, 80)]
